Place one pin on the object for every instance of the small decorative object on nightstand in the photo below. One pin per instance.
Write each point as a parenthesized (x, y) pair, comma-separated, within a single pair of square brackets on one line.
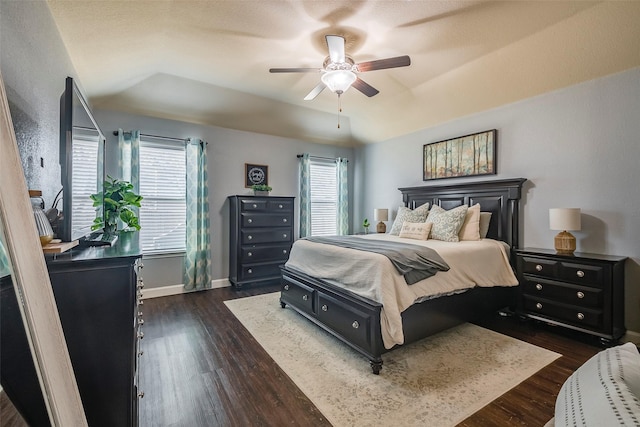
[(365, 225), (381, 215), (564, 219), (582, 291)]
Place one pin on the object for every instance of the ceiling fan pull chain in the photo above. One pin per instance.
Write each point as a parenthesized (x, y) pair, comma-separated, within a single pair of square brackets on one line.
[(339, 109)]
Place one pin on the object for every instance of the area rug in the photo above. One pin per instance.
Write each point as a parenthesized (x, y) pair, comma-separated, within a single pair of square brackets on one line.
[(438, 381)]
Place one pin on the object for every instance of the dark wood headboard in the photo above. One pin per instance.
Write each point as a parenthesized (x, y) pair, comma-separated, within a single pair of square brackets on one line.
[(500, 197)]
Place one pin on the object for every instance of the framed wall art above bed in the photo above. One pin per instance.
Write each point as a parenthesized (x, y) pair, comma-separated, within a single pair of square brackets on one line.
[(468, 155)]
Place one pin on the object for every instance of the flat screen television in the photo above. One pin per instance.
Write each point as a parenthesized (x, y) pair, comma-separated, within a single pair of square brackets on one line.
[(82, 151)]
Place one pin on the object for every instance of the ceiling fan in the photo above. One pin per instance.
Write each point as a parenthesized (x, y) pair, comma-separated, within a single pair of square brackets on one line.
[(339, 71)]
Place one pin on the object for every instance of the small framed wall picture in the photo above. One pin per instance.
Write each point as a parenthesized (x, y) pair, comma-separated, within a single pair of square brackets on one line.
[(255, 174)]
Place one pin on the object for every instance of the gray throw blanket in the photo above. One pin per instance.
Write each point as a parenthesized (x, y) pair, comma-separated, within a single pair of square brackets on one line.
[(414, 262)]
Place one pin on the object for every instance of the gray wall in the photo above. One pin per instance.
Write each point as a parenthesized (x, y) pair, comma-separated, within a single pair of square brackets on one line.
[(578, 147), (228, 151), (34, 64)]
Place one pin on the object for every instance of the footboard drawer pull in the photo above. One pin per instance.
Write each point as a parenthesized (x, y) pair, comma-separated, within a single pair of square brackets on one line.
[(324, 307), (286, 287), (305, 297), (580, 294), (580, 273), (580, 316), (355, 324), (539, 287), (538, 267), (538, 306)]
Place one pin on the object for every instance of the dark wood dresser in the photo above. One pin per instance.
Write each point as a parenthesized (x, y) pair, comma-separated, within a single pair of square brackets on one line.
[(584, 291), (97, 292), (260, 238)]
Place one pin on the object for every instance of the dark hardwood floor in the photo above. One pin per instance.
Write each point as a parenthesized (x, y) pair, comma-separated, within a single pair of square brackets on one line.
[(202, 368)]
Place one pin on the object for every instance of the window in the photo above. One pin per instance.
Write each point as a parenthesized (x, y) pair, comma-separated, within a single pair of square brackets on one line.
[(324, 197), (163, 186)]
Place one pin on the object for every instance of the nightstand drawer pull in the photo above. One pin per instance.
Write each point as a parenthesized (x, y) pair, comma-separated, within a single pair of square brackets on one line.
[(324, 307), (355, 324), (539, 286), (286, 287), (305, 297), (538, 267), (580, 316), (538, 306), (580, 273), (580, 294)]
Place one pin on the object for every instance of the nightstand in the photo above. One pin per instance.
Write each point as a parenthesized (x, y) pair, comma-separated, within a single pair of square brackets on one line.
[(583, 292)]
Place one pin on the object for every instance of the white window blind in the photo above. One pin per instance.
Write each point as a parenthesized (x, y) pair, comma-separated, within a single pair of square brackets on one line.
[(84, 182), (324, 198), (163, 186)]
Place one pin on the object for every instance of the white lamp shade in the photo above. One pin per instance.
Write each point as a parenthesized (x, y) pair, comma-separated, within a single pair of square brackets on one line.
[(338, 81), (381, 214), (565, 219)]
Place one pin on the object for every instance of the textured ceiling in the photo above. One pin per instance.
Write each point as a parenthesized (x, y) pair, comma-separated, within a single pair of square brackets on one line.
[(207, 62)]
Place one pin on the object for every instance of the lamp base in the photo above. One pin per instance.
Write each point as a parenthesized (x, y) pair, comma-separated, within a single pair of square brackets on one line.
[(381, 227), (565, 243)]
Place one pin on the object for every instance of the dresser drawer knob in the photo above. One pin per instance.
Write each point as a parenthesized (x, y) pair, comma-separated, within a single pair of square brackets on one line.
[(280, 206), (286, 287), (249, 220), (580, 316), (580, 273), (305, 297), (324, 307), (355, 324), (249, 271), (284, 219), (140, 334), (538, 286), (538, 306), (141, 353), (284, 236), (139, 314), (249, 237), (140, 302), (538, 267), (249, 254), (284, 251), (255, 206), (580, 295), (141, 322), (141, 394)]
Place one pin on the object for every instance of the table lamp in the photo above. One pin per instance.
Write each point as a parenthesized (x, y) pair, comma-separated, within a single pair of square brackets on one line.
[(381, 215), (564, 219)]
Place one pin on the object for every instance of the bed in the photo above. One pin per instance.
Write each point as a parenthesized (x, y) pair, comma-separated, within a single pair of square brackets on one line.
[(360, 321)]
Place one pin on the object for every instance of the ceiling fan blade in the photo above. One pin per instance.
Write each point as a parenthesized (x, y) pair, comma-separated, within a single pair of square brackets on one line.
[(365, 88), (336, 48), (315, 91), (380, 64), (295, 70)]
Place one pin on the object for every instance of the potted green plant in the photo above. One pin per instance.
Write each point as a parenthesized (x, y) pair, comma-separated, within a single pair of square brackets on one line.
[(261, 189), (117, 200), (366, 225)]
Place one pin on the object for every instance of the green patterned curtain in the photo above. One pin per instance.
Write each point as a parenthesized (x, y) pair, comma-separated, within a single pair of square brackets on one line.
[(305, 196), (197, 260), (129, 160), (342, 223)]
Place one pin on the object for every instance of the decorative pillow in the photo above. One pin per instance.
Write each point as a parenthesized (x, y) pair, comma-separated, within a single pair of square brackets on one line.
[(416, 230), (446, 224), (405, 214), (603, 391), (470, 229), (485, 219)]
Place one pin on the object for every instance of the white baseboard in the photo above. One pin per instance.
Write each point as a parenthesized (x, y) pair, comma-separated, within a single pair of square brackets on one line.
[(631, 336), (164, 291)]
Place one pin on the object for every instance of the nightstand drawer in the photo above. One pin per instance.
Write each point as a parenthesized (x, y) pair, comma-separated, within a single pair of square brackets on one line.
[(575, 315), (582, 273), (582, 296), (538, 266)]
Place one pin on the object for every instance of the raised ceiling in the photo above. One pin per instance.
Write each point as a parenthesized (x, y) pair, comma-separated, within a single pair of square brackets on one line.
[(207, 62)]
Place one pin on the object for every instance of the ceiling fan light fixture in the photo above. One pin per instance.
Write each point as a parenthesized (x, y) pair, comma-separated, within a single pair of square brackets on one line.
[(338, 81)]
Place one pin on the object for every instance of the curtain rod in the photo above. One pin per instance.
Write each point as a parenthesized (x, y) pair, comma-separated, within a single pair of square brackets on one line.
[(319, 157), (168, 138)]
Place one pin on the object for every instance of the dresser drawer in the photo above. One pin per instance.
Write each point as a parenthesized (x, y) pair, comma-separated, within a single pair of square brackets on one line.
[(266, 220), (252, 205), (347, 321), (578, 316), (274, 235), (299, 295), (265, 253), (586, 274), (582, 296), (259, 271), (279, 205), (538, 266)]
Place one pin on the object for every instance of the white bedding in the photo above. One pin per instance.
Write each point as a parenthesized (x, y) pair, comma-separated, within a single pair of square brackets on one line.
[(472, 263)]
